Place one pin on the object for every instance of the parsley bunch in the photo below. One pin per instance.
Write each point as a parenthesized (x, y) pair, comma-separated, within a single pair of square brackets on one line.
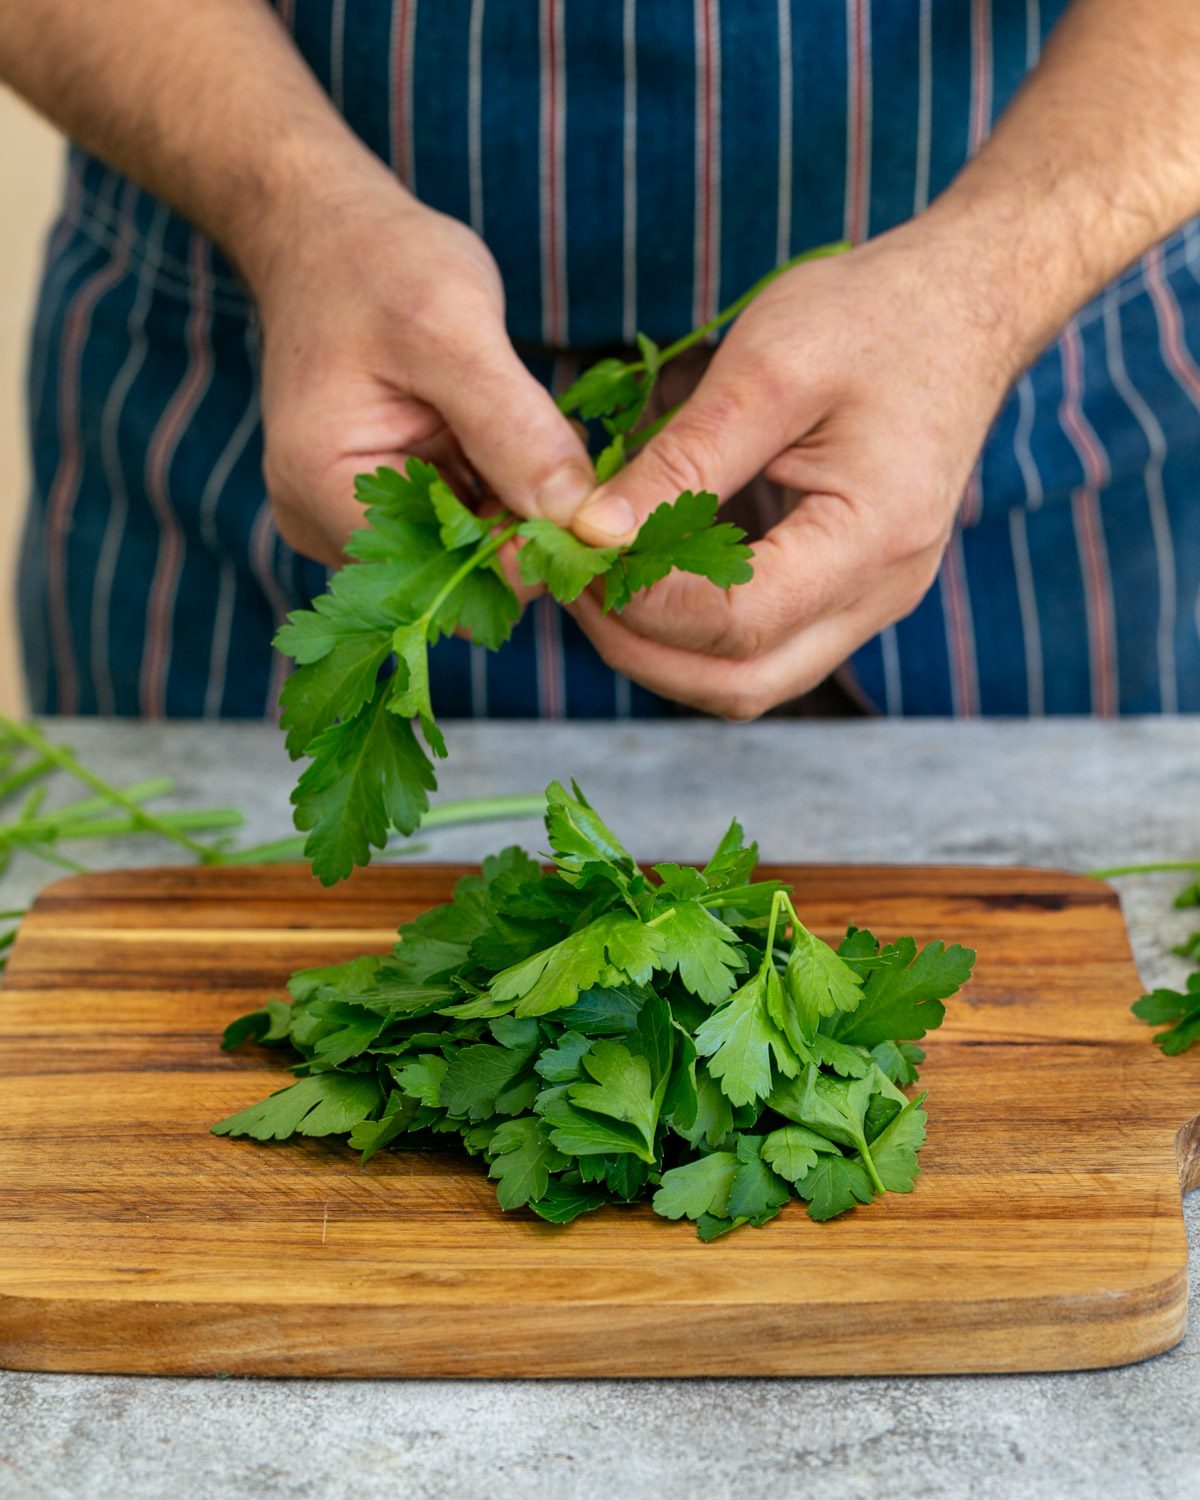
[(599, 1034)]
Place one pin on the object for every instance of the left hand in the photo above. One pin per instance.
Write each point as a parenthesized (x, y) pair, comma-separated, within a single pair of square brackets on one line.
[(866, 385)]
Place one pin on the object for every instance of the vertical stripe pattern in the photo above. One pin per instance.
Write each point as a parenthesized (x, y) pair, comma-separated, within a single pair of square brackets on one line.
[(475, 115), (553, 207), (115, 476), (210, 498), (783, 212), (708, 160), (629, 139), (404, 20), (164, 441), (1156, 501), (65, 487), (956, 596), (1085, 509), (630, 166), (858, 120)]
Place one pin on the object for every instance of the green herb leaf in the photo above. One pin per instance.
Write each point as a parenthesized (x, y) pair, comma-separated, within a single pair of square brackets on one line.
[(818, 982), (622, 1089), (740, 1040), (894, 1150), (577, 1132), (702, 949), (567, 1198), (478, 1078), (793, 1151), (1181, 1008), (560, 560), (700, 1187), (325, 1104), (834, 1185), (367, 776), (902, 993), (522, 1160), (682, 535)]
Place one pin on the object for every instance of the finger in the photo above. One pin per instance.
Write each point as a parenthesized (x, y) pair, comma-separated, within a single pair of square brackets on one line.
[(309, 467), (733, 425), (316, 520), (530, 455), (717, 685), (316, 507)]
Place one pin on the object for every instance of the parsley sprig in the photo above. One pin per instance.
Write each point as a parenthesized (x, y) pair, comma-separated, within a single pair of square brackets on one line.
[(425, 566), (1177, 1011), (597, 1033)]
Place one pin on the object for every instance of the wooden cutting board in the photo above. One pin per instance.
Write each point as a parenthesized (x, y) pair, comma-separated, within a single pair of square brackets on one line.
[(1045, 1233)]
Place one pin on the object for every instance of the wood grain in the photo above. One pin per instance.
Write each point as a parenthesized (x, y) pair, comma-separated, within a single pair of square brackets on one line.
[(1045, 1232)]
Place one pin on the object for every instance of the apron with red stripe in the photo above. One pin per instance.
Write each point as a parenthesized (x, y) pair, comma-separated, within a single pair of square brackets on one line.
[(632, 166)]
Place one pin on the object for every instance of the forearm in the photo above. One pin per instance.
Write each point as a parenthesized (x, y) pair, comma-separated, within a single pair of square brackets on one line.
[(208, 106), (1097, 159)]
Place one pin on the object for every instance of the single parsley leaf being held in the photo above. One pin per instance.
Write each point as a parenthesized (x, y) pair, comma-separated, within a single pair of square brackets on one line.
[(595, 1034)]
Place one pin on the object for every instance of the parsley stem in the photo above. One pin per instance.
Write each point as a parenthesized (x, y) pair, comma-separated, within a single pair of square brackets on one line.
[(642, 435), (288, 850), (778, 901), (443, 815), (50, 827), (698, 335), (64, 760), (865, 1152), (1161, 867), (90, 807), (482, 553), (53, 857), (32, 772)]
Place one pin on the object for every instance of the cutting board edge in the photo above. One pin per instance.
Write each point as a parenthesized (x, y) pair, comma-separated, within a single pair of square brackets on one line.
[(87, 881), (228, 1339)]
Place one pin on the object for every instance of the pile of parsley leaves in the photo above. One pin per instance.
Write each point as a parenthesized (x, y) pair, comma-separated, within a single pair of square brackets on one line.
[(597, 1034)]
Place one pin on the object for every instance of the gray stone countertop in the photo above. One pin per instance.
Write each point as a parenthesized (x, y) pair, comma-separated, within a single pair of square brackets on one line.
[(1070, 793)]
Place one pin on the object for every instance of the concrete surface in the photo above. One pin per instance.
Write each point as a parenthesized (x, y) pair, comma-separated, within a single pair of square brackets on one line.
[(1067, 792)]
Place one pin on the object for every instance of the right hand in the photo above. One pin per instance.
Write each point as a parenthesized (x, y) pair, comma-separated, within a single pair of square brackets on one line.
[(383, 337)]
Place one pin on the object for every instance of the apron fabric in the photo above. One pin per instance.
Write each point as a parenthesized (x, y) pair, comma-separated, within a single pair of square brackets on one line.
[(631, 166)]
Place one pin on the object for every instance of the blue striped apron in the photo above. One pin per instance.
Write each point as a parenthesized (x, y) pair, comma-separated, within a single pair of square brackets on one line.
[(631, 166)]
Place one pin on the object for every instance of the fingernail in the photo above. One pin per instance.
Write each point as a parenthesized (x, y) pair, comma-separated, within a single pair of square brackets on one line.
[(561, 495), (609, 516)]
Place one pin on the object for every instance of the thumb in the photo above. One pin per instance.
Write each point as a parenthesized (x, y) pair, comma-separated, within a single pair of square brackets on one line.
[(517, 440), (727, 432)]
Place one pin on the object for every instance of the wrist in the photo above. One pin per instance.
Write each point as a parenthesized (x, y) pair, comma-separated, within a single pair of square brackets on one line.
[(959, 286), (312, 198), (1021, 256)]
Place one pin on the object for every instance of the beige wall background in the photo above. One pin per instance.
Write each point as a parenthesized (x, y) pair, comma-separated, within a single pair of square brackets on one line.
[(30, 172)]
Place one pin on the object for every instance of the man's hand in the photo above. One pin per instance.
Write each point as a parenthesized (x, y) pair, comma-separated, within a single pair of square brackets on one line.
[(383, 337), (383, 321), (865, 385)]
